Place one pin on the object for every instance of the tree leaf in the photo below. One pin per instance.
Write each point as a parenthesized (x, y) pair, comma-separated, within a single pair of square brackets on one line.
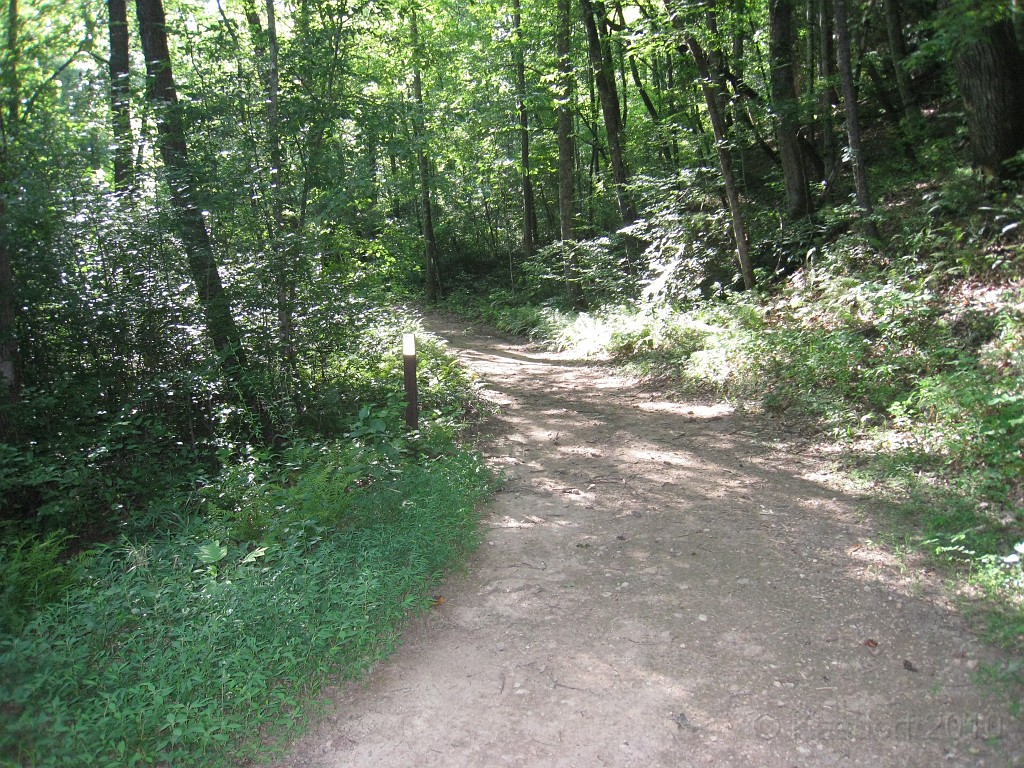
[(211, 552), (252, 556)]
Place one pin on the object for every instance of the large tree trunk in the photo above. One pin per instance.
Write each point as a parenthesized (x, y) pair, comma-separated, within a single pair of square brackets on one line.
[(120, 96), (798, 194), (220, 323), (529, 211), (607, 92), (566, 151), (419, 131), (990, 75), (860, 175)]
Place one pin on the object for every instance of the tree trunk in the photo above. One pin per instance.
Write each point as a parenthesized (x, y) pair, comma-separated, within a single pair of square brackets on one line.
[(826, 55), (9, 76), (278, 239), (664, 147), (419, 134), (798, 193), (266, 49), (898, 53), (529, 213), (607, 92), (120, 96), (566, 152), (10, 362), (220, 323), (860, 176), (707, 84), (990, 75), (10, 368)]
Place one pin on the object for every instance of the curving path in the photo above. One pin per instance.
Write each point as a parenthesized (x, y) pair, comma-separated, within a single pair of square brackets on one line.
[(665, 584)]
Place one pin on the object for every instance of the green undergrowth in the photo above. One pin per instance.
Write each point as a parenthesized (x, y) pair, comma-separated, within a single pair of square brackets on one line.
[(204, 636), (178, 650)]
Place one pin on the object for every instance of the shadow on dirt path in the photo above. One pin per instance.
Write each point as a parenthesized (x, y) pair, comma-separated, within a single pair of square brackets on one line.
[(661, 585)]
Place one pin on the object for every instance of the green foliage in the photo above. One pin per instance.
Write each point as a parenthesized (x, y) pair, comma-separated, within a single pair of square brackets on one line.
[(126, 426), (245, 576), (600, 269), (33, 573), (178, 650)]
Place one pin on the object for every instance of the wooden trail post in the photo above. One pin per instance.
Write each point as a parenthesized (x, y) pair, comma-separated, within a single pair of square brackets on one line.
[(411, 389)]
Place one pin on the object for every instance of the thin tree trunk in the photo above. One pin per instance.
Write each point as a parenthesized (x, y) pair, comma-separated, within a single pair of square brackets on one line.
[(120, 96), (806, 86), (566, 151), (725, 161), (419, 133), (220, 323), (898, 54), (10, 73), (266, 48), (798, 193), (10, 362), (826, 55), (860, 176), (10, 368), (652, 111), (607, 92), (529, 233), (278, 240)]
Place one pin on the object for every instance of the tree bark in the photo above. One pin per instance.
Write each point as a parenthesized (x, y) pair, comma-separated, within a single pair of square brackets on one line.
[(860, 176), (432, 287), (566, 151), (10, 73), (607, 92), (529, 222), (711, 85), (739, 227), (220, 323), (826, 55), (120, 96), (990, 76), (898, 53), (10, 362), (10, 368), (784, 98), (278, 240)]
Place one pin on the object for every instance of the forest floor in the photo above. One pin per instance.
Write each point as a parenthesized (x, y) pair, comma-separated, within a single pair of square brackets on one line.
[(666, 584)]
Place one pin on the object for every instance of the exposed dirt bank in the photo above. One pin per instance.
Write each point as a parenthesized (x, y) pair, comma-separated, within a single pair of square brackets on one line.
[(664, 584)]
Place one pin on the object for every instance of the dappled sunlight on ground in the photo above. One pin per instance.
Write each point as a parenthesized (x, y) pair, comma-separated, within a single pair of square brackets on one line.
[(715, 411), (666, 584)]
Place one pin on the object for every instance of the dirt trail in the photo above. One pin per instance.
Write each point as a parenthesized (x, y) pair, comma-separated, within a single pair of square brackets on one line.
[(663, 585)]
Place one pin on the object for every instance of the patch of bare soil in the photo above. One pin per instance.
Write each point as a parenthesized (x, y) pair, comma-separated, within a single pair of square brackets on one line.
[(665, 584)]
